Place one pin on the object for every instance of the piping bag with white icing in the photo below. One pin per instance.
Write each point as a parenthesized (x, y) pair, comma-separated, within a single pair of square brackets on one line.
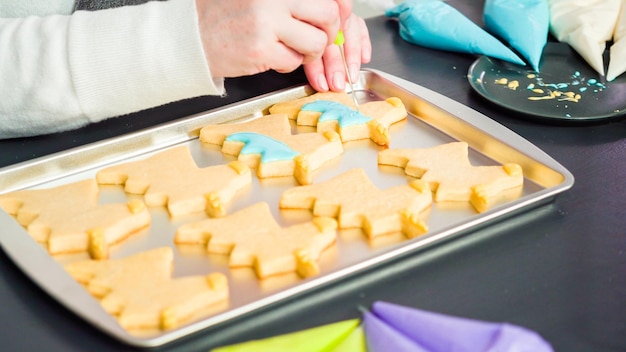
[(437, 25), (617, 63), (586, 25), (523, 24)]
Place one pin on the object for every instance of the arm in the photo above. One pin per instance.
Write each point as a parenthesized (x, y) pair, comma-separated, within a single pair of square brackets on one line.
[(68, 71), (244, 37)]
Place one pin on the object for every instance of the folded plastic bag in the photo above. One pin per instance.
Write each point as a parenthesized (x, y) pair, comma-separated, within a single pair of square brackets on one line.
[(391, 327)]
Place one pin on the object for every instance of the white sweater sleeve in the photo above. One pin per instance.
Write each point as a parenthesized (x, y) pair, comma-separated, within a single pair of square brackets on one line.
[(63, 72)]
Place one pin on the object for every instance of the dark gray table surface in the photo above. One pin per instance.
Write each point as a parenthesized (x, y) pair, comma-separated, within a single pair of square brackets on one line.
[(559, 269)]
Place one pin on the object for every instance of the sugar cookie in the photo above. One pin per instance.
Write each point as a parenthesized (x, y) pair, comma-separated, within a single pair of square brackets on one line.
[(252, 238), (357, 203), (68, 218), (140, 292), (335, 112), (268, 145), (448, 170), (172, 179)]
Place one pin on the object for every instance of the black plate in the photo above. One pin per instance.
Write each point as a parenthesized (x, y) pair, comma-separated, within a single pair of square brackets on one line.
[(565, 89)]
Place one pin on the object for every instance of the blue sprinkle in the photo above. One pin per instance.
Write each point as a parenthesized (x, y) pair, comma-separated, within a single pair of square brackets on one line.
[(592, 81), (582, 89)]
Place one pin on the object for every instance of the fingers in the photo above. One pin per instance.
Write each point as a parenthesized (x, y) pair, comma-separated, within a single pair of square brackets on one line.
[(323, 15), (329, 73), (244, 37), (292, 33), (358, 47), (345, 10)]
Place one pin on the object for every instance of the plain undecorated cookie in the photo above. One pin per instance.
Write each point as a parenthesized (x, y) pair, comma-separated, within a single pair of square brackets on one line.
[(448, 170), (172, 179), (252, 238), (357, 203), (140, 292), (69, 219)]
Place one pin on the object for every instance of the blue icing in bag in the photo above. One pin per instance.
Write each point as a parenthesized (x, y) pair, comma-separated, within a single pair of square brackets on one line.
[(437, 25), (524, 24)]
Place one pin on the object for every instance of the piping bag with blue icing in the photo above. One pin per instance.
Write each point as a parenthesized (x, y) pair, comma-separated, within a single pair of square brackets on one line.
[(527, 33), (339, 40), (437, 25)]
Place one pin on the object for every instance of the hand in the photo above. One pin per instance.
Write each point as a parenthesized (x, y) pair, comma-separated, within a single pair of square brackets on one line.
[(245, 37), (329, 72)]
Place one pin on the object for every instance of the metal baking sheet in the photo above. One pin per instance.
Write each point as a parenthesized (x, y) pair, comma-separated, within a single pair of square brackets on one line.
[(433, 119)]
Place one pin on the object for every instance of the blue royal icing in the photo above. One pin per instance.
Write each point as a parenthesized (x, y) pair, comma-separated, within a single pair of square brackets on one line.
[(332, 110), (269, 148)]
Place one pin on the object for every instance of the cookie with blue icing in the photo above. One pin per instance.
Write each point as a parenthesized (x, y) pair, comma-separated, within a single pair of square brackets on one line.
[(268, 145), (291, 108), (372, 120), (335, 111)]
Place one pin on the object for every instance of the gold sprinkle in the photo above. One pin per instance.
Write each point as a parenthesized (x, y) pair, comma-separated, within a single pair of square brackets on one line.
[(502, 81), (545, 97), (513, 85)]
